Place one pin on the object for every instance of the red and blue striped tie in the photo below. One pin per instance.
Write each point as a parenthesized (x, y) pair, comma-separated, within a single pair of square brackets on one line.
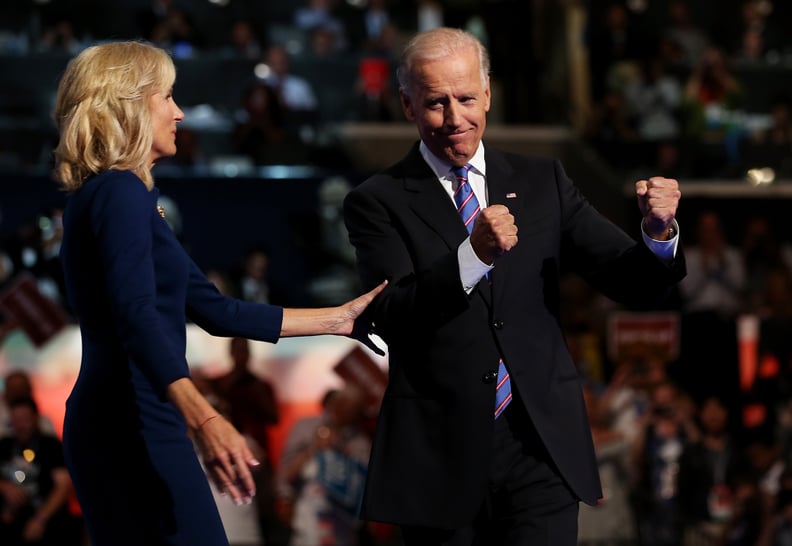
[(468, 207), (466, 202)]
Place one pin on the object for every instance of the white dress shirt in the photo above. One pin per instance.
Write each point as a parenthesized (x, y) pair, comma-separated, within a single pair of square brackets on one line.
[(471, 268)]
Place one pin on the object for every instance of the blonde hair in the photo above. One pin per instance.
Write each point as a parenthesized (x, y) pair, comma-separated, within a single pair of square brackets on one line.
[(439, 43), (102, 110)]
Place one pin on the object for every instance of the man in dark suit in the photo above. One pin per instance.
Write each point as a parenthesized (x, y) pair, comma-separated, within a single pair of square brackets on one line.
[(446, 465)]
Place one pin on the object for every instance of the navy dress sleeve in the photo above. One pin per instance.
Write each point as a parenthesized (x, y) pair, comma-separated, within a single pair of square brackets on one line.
[(121, 220), (223, 316)]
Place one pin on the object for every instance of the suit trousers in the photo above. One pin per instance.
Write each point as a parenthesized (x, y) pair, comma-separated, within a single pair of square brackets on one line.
[(528, 503)]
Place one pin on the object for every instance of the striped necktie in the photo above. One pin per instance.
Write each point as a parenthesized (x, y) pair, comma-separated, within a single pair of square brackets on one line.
[(466, 202), (468, 208)]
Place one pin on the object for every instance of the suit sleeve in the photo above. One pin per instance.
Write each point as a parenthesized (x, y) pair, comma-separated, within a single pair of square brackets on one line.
[(620, 267), (228, 317), (121, 219), (415, 301)]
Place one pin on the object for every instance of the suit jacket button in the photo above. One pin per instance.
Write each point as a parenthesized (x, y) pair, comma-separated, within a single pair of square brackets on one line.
[(498, 324), (490, 377)]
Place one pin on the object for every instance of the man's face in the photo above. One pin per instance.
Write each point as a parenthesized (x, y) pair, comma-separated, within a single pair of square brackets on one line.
[(24, 423), (448, 102)]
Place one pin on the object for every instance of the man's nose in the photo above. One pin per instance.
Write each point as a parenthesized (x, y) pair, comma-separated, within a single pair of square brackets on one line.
[(453, 115)]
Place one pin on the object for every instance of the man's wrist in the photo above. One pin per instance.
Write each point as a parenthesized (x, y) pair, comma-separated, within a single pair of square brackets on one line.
[(669, 233)]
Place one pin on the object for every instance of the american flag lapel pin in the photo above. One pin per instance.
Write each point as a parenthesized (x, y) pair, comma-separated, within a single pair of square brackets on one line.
[(511, 195)]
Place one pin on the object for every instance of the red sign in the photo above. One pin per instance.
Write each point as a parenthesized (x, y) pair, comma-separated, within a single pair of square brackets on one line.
[(374, 75), (37, 315), (638, 335), (359, 368)]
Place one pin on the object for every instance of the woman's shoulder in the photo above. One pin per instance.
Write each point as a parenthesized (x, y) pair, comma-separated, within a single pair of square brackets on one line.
[(117, 185), (113, 177)]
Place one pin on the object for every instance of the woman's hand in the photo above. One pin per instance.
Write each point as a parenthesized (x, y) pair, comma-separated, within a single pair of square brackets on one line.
[(228, 458), (339, 320), (223, 449), (348, 313)]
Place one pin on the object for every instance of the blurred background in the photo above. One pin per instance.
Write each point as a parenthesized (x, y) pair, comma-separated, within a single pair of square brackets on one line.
[(290, 103)]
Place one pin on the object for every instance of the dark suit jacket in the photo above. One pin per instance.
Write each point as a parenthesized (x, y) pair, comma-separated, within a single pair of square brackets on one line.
[(430, 459)]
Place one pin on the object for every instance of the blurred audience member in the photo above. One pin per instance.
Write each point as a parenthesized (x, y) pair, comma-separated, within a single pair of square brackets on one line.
[(261, 132), (756, 37), (626, 399), (319, 17), (18, 386), (711, 114), (294, 92), (251, 401), (765, 461), (428, 15), (24, 250), (377, 95), (34, 484), (60, 36), (154, 13), (656, 451), (683, 31), (612, 520), (324, 44), (654, 99), (716, 273), (782, 524), (177, 33), (253, 284), (610, 128), (334, 271), (763, 253), (612, 38), (243, 41), (710, 90), (711, 297), (253, 409), (750, 523), (301, 437), (326, 472), (370, 27), (706, 469)]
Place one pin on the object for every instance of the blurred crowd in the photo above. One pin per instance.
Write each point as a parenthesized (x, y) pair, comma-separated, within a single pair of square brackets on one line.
[(694, 448), (307, 492), (692, 89), (690, 97), (691, 451)]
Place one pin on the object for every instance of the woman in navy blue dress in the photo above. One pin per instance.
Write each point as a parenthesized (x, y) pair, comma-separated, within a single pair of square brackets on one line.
[(134, 412)]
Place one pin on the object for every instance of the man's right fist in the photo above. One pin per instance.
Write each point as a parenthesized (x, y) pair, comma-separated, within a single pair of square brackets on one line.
[(494, 233)]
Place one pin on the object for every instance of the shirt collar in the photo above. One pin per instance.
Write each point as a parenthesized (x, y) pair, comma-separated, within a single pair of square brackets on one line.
[(442, 168)]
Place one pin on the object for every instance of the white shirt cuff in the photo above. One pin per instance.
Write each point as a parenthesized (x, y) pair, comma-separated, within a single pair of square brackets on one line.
[(471, 269)]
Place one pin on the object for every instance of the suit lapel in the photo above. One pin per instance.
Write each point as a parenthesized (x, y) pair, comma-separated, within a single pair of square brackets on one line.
[(502, 189), (430, 202)]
